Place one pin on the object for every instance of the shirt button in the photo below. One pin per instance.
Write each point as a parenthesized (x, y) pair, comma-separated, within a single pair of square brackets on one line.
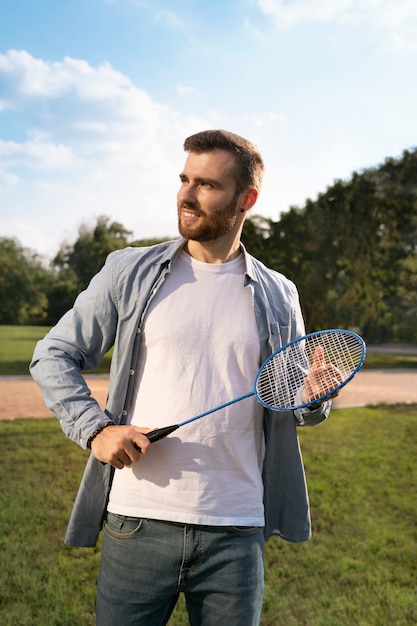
[(131, 372), (124, 412)]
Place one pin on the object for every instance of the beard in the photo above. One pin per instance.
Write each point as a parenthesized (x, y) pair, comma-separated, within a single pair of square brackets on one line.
[(212, 226)]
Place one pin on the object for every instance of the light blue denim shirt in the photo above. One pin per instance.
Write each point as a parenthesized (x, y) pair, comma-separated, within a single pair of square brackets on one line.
[(110, 312)]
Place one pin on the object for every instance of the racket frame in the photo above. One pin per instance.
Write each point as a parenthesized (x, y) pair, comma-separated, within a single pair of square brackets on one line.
[(327, 395)]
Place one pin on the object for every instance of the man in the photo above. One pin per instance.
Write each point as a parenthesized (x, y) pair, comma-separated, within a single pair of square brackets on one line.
[(191, 321)]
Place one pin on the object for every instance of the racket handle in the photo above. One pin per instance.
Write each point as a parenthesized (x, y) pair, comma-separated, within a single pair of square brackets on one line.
[(160, 433)]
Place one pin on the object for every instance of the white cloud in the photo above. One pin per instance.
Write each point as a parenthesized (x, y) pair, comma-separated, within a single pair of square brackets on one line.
[(8, 182), (168, 18), (94, 144), (28, 77), (289, 13), (36, 153), (393, 21), (159, 14), (186, 90), (94, 110)]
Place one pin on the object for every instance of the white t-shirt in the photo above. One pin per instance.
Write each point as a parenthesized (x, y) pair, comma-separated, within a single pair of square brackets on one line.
[(200, 348)]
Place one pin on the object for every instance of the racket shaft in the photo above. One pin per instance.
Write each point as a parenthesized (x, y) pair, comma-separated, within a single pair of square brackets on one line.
[(160, 433)]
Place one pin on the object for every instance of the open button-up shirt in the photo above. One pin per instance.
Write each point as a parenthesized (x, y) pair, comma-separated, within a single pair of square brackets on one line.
[(110, 313)]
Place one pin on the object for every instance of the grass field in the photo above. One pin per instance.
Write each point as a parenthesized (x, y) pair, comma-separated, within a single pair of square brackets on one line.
[(18, 342), (360, 567)]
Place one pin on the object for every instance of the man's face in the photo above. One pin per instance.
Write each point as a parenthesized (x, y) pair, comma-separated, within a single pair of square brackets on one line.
[(207, 202)]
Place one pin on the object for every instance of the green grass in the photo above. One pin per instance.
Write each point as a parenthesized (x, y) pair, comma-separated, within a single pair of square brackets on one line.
[(390, 361), (361, 565), (17, 344), (359, 568)]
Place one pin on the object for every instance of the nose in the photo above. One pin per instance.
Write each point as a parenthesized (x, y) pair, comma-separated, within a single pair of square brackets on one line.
[(186, 194)]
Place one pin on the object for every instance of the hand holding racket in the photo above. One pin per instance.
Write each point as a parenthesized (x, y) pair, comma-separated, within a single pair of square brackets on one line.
[(322, 378), (303, 373)]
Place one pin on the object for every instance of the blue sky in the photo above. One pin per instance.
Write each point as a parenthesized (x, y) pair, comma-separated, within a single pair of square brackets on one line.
[(97, 96)]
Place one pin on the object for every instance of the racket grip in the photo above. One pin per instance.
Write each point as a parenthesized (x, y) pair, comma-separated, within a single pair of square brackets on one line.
[(160, 433)]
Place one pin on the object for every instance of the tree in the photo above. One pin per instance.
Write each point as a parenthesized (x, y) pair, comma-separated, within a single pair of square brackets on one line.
[(79, 262), (76, 264), (352, 252), (23, 284)]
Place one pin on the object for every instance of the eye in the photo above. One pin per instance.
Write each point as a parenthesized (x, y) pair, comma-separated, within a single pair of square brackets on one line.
[(206, 184)]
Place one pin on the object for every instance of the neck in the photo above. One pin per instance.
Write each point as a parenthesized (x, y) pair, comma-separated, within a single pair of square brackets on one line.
[(212, 251)]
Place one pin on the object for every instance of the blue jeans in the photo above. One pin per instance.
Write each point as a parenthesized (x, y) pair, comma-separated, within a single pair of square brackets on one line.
[(145, 564)]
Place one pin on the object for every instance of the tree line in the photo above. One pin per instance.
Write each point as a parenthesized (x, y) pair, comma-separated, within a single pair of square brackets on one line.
[(32, 292), (352, 253)]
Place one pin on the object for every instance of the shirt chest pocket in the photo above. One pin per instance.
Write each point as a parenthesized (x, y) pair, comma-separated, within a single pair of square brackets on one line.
[(280, 335)]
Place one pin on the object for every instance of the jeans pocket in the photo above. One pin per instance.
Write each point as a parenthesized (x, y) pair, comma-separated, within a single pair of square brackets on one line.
[(122, 526), (244, 531)]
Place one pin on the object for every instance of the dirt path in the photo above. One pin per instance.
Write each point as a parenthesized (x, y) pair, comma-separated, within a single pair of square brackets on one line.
[(376, 387), (20, 397)]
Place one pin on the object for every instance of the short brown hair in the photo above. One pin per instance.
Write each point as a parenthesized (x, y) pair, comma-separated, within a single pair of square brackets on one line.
[(249, 163)]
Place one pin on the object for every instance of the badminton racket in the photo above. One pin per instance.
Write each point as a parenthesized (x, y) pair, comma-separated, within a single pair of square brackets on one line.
[(303, 373)]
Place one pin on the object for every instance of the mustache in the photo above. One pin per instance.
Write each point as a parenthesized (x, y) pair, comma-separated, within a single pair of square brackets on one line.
[(189, 205)]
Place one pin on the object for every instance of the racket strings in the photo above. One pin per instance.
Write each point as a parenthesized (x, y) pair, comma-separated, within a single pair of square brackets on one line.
[(282, 378)]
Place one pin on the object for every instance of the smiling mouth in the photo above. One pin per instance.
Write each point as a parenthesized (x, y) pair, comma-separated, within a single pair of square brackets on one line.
[(189, 213)]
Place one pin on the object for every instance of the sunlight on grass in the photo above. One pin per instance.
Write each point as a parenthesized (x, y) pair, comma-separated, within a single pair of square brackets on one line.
[(17, 344), (359, 568), (390, 361)]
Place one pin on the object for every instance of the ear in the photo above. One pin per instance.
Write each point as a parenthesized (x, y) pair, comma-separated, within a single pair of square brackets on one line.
[(249, 198)]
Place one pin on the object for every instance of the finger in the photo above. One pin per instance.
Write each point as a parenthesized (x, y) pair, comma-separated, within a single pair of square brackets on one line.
[(115, 462), (318, 358), (336, 374), (329, 377), (306, 394), (124, 456), (134, 447), (310, 393), (141, 444), (121, 459)]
